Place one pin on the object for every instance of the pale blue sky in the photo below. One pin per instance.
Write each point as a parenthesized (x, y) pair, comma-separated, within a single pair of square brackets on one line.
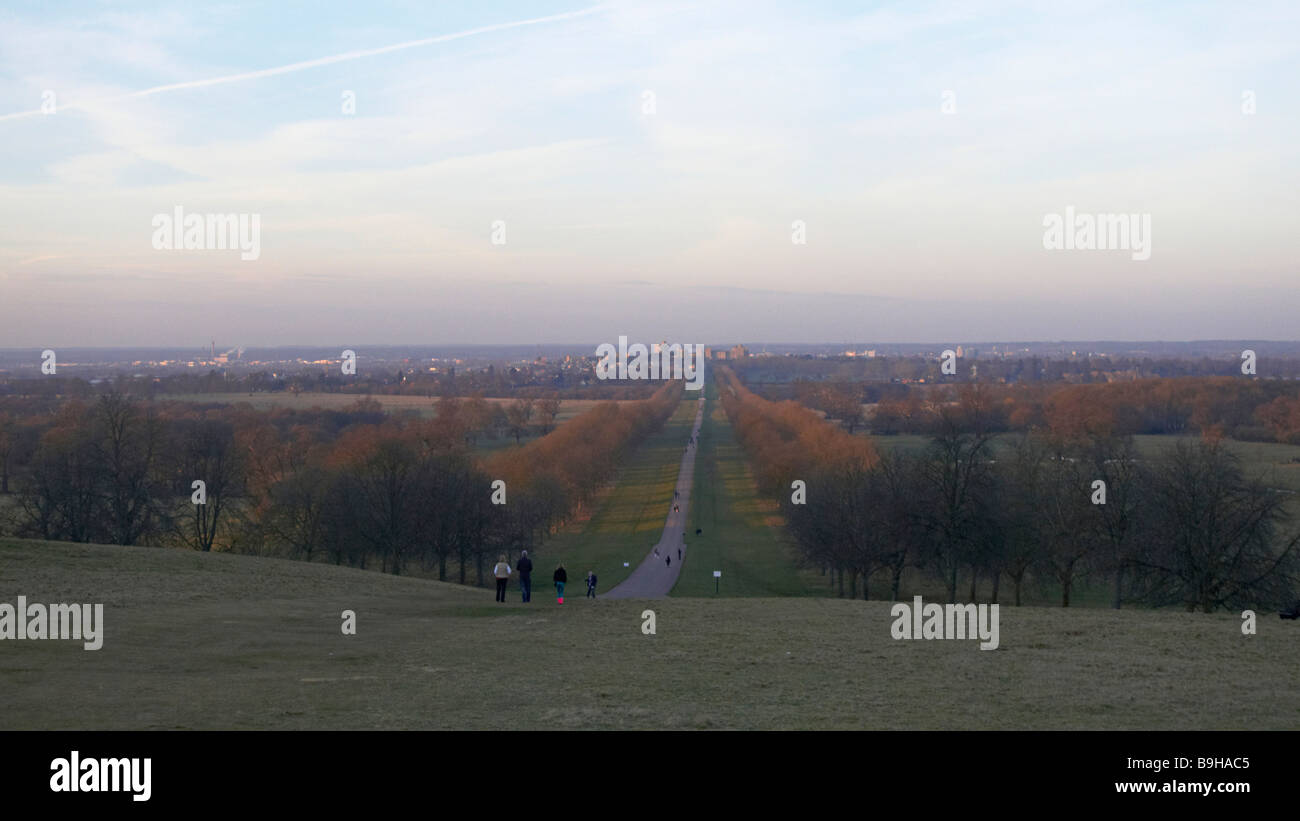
[(376, 227)]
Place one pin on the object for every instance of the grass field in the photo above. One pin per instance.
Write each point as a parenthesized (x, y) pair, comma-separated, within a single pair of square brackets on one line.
[(213, 641), (627, 521), (742, 534)]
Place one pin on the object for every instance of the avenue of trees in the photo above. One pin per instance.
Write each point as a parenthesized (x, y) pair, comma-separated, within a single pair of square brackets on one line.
[(984, 508), (356, 486)]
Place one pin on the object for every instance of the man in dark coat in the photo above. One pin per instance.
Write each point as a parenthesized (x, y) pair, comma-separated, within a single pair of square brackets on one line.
[(525, 568)]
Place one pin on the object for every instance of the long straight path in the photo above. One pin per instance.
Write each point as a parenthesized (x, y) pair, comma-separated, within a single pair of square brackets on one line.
[(656, 575)]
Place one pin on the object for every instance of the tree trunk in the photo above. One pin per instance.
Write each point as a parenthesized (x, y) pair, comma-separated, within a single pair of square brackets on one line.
[(897, 580), (853, 584), (442, 567), (974, 578), (997, 581), (1065, 592), (952, 585), (1119, 586), (840, 573)]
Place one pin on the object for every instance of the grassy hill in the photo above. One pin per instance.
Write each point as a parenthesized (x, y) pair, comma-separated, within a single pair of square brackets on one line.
[(210, 641)]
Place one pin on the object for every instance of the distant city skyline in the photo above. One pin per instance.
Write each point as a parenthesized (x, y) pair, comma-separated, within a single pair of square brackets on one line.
[(543, 172)]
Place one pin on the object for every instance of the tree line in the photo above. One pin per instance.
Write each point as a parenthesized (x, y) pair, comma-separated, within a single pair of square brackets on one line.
[(1076, 503), (1240, 407), (1275, 361), (355, 487)]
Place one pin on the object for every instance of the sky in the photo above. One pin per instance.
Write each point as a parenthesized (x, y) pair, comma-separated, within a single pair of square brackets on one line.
[(647, 170)]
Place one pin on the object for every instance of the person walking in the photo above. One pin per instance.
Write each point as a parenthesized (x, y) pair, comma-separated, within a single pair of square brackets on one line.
[(525, 569), (591, 584), (560, 578), (679, 554), (502, 572), (669, 559)]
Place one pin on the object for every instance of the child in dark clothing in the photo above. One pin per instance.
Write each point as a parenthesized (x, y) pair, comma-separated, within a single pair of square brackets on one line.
[(560, 578)]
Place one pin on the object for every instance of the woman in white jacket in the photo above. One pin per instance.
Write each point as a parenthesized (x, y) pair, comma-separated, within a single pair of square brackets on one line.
[(502, 572)]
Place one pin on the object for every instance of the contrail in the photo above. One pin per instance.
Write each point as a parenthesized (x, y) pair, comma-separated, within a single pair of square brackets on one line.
[(322, 61)]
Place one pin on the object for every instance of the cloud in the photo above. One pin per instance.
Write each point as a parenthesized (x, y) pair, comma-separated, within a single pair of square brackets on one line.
[(318, 62)]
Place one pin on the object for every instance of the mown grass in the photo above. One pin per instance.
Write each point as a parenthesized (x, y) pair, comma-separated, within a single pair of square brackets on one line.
[(212, 641), (743, 535), (628, 520)]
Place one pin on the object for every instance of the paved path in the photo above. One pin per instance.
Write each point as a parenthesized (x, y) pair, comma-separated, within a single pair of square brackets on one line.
[(654, 577)]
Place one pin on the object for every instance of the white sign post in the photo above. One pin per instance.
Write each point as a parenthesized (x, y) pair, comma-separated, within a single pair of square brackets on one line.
[(717, 579)]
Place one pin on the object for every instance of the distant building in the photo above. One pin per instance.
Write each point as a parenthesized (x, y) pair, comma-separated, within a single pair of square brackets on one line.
[(739, 352)]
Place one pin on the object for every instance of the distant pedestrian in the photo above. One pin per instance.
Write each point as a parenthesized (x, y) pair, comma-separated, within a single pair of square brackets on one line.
[(525, 576), (591, 585), (668, 558), (560, 578), (679, 554), (502, 572)]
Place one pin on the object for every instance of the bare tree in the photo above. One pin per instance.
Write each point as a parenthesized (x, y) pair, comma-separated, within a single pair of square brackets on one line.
[(1216, 542), (205, 451), (547, 411), (956, 473), (126, 440)]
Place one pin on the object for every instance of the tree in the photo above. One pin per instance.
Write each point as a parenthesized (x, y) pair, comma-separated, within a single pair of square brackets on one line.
[(955, 474), (380, 478), (518, 414), (895, 487), (63, 498), (547, 410), (126, 441), (1018, 508), (297, 511), (1066, 502), (1114, 461), (205, 451), (1215, 534)]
